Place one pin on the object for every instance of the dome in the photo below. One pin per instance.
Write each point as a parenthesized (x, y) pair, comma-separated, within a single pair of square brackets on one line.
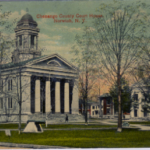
[(27, 17)]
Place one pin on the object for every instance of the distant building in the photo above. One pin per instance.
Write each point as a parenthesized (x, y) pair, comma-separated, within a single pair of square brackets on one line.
[(140, 106), (94, 110), (106, 106)]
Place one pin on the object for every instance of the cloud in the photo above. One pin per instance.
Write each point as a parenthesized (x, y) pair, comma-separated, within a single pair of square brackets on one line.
[(64, 51), (46, 40), (17, 15)]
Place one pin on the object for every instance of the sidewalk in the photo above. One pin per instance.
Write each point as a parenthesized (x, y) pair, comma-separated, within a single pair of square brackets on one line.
[(30, 146), (140, 126)]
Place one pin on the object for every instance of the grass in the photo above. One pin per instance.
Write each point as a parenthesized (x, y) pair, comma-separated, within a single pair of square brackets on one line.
[(56, 126), (62, 126), (83, 138), (11, 126)]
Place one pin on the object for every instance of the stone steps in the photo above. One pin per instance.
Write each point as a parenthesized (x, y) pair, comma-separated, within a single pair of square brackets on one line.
[(57, 118)]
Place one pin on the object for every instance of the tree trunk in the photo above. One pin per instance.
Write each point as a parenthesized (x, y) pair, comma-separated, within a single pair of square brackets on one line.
[(20, 103), (119, 129), (86, 93)]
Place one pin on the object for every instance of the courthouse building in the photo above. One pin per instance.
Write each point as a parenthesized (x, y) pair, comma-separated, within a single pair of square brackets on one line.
[(47, 85)]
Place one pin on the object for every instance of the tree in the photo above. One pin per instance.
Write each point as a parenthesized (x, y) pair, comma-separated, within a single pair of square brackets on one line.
[(85, 60), (118, 35), (141, 77), (125, 96)]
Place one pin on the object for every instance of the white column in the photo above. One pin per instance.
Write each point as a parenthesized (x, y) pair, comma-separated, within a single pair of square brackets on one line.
[(37, 95), (48, 97), (75, 99), (140, 113), (26, 94), (66, 96), (57, 96)]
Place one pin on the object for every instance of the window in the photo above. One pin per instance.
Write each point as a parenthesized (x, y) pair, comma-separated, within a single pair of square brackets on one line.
[(1, 103), (32, 39), (1, 85), (9, 102), (145, 112), (108, 101), (93, 112), (93, 107), (9, 85), (54, 63), (20, 40), (96, 112), (136, 97), (135, 112), (108, 110)]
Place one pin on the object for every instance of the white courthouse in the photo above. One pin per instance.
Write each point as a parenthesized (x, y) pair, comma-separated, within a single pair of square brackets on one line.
[(49, 84)]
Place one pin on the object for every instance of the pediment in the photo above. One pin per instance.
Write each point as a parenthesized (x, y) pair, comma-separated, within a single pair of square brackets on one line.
[(54, 61)]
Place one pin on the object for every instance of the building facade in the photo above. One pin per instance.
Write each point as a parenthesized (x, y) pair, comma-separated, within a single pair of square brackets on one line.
[(94, 110), (106, 108), (140, 102), (45, 85)]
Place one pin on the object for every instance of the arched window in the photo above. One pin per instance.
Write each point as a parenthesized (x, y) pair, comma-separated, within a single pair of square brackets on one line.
[(54, 63)]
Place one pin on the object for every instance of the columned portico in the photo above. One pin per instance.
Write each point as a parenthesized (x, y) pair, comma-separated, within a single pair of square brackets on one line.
[(64, 99)]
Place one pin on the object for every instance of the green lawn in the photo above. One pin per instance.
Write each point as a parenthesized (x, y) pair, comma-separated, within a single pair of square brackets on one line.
[(83, 138), (62, 126), (56, 126), (10, 126)]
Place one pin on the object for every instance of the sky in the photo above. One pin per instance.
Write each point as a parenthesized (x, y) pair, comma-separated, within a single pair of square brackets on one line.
[(54, 37), (57, 37)]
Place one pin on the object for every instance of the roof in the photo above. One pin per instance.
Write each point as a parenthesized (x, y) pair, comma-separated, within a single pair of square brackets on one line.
[(105, 95), (11, 65), (27, 17)]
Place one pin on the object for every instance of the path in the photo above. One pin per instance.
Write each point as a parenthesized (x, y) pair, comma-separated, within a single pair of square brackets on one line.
[(140, 126)]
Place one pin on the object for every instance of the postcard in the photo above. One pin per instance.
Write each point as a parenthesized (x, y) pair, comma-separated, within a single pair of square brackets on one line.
[(74, 74)]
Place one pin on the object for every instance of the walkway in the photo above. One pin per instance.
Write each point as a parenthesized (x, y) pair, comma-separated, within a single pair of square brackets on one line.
[(112, 122), (30, 146)]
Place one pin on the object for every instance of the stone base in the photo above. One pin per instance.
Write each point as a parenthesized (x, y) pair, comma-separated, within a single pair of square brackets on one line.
[(13, 118), (51, 118), (57, 118)]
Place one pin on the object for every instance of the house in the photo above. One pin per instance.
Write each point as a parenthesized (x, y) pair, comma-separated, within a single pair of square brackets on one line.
[(140, 100), (106, 106), (94, 110)]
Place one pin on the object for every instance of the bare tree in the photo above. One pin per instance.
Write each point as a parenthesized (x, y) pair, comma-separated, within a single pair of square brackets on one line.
[(83, 51), (141, 78), (118, 40)]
